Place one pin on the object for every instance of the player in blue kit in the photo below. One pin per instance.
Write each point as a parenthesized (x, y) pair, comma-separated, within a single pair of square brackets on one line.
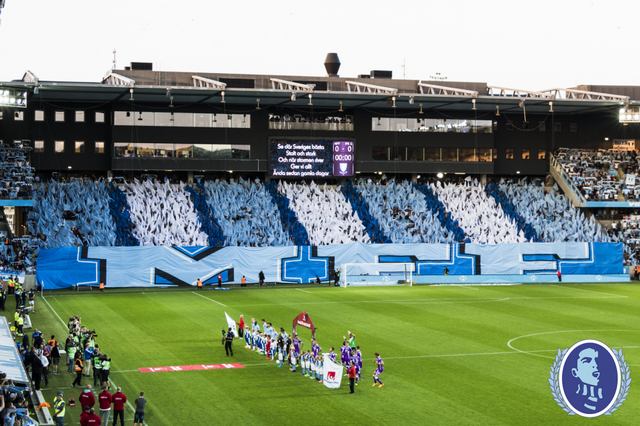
[(378, 372)]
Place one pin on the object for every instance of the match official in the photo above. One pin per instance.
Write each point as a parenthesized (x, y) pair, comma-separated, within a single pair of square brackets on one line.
[(228, 340)]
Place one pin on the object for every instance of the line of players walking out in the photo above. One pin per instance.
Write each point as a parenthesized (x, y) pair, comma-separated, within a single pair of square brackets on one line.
[(278, 346)]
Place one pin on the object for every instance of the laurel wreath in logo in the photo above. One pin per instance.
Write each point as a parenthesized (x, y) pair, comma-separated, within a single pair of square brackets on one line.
[(554, 382)]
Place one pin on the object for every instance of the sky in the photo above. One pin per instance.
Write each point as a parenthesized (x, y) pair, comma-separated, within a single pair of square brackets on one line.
[(539, 44)]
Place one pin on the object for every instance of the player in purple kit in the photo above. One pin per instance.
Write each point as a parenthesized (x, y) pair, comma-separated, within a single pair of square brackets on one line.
[(344, 353), (378, 372), (296, 345), (358, 358), (315, 348), (332, 354)]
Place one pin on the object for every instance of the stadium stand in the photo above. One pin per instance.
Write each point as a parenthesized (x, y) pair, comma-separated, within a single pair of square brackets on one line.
[(72, 213), (479, 215), (325, 213), (163, 214), (288, 217), (627, 231), (361, 206), (246, 213), (550, 214), (600, 174), (403, 212), (16, 173)]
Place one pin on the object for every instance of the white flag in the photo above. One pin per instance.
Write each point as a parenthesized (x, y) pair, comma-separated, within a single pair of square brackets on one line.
[(231, 323), (331, 373)]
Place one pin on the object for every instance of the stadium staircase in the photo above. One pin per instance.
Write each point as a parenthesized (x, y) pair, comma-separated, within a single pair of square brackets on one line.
[(560, 176)]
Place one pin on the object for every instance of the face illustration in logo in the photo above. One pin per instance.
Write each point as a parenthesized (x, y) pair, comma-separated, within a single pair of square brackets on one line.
[(589, 378), (331, 375), (587, 367)]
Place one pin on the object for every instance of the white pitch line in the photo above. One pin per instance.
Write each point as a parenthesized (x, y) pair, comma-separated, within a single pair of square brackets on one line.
[(544, 333), (64, 325), (304, 291), (438, 301), (210, 299)]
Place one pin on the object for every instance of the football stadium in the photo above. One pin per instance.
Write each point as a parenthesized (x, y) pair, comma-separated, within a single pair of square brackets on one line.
[(202, 247)]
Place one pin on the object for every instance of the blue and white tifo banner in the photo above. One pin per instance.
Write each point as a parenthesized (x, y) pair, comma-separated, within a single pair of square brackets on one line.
[(182, 266)]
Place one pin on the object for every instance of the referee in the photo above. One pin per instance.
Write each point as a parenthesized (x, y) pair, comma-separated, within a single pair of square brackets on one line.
[(228, 340)]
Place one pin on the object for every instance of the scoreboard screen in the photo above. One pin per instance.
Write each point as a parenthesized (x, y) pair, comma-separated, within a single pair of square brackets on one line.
[(311, 158)]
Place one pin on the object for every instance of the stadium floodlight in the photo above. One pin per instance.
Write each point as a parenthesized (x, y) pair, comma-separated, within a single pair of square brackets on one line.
[(440, 175), (420, 110), (310, 101), (13, 98), (550, 106), (473, 104), (497, 110), (340, 109), (258, 104)]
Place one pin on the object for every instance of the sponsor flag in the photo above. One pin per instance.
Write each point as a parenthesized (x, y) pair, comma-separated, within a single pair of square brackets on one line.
[(231, 323), (331, 373)]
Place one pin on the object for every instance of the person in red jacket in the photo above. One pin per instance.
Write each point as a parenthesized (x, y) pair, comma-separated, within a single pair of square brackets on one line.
[(119, 399), (241, 326), (104, 402), (89, 418), (87, 399), (353, 373)]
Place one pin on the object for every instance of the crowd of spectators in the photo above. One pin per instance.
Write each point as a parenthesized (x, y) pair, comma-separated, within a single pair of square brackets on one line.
[(16, 174), (478, 214), (73, 212), (402, 212), (551, 215), (627, 231), (602, 174), (246, 213), (325, 213), (163, 213)]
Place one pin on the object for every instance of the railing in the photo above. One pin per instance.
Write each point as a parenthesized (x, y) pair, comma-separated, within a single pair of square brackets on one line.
[(571, 191)]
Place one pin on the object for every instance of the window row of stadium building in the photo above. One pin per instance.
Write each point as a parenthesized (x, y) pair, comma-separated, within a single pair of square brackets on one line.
[(186, 159)]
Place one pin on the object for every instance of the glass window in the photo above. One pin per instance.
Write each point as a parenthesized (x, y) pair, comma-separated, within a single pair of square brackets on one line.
[(432, 154), (59, 147), (468, 155), (79, 147), (557, 127), (1, 115), (388, 124), (144, 150), (542, 154), (99, 147), (123, 118), (202, 120), (525, 154), (39, 115), (60, 116), (184, 150), (18, 115), (449, 154), (183, 119), (573, 127), (484, 155), (123, 149), (415, 153), (508, 154), (99, 117), (241, 152), (398, 153), (38, 146), (380, 153), (79, 116)]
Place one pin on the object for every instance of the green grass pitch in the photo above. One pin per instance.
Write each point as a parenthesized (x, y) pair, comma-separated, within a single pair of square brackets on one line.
[(453, 355)]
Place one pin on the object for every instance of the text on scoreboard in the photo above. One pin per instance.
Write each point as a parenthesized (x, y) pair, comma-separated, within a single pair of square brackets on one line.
[(311, 158)]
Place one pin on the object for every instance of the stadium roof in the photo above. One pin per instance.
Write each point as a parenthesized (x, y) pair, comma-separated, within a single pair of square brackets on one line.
[(145, 86)]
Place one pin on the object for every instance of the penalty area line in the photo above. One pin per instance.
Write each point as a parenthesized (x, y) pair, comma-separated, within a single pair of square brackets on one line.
[(210, 299)]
